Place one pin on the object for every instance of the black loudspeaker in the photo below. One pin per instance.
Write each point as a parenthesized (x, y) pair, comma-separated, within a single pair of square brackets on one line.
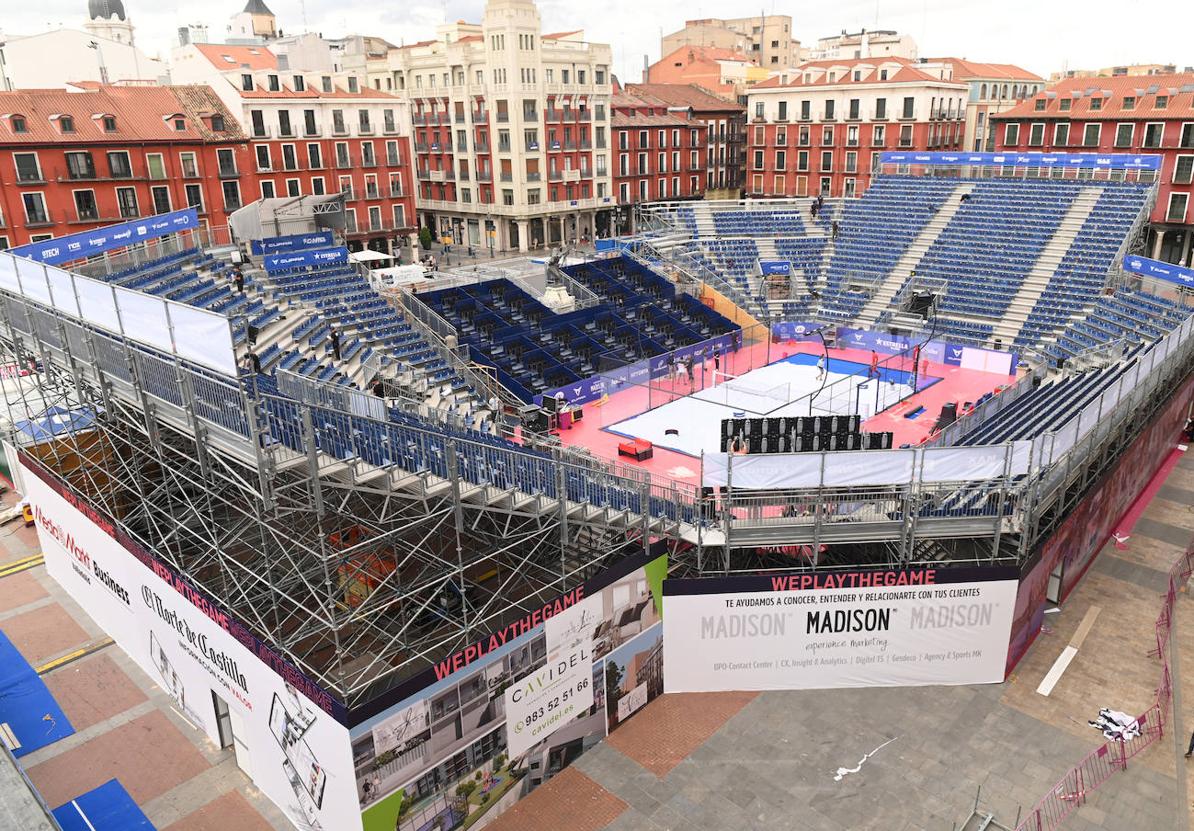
[(949, 413), (754, 443), (921, 303), (756, 427)]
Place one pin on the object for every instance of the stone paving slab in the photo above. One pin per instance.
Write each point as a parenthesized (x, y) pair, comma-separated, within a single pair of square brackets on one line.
[(230, 812), (148, 755), (569, 800), (44, 633), (92, 690), (20, 589)]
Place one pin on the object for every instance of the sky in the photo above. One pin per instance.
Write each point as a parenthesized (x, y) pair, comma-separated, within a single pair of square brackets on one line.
[(1042, 37)]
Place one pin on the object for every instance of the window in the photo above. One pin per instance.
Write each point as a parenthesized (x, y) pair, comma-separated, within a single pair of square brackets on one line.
[(156, 165), (759, 109), (1123, 134), (338, 122), (1061, 134), (227, 163), (194, 194), (66, 124), (85, 207), (1011, 134), (80, 166), (309, 127), (1065, 104), (1177, 207), (1153, 133), (826, 161), (1161, 102), (826, 135), (35, 209), (217, 124), (257, 121), (806, 110), (161, 199), (267, 189), (284, 128), (126, 198), (317, 186), (109, 123), (852, 135), (1129, 102), (263, 157), (880, 109), (231, 193), (909, 107), (855, 107), (289, 159), (1096, 104), (1187, 138), (802, 160), (246, 83), (905, 135), (758, 160), (189, 165), (1183, 170), (879, 135), (292, 188), (781, 159), (829, 105), (1090, 135), (28, 169), (1040, 104), (19, 125), (314, 156), (274, 84), (783, 111), (300, 83)]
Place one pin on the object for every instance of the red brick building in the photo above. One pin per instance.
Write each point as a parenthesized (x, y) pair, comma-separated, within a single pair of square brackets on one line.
[(821, 128), (1124, 114), (72, 161), (724, 118), (313, 133), (658, 154)]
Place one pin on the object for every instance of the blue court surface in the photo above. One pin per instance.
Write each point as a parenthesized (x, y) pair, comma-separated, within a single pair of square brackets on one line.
[(107, 808), (27, 709)]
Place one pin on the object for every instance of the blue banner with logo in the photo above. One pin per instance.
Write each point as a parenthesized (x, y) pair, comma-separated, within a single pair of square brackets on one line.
[(1110, 161), (90, 243), (788, 330), (293, 242), (303, 259), (782, 268), (1158, 270)]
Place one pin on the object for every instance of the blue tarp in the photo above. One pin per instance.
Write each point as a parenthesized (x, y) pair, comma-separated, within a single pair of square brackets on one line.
[(56, 421), (107, 808), (26, 706)]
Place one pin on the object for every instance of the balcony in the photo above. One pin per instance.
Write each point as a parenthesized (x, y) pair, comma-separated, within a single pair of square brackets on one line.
[(371, 161), (418, 119), (480, 117), (503, 118), (27, 179), (397, 193), (485, 176), (908, 116), (393, 161), (372, 193), (229, 172), (287, 132), (38, 219), (482, 147), (553, 115), (343, 162), (364, 129), (261, 132), (503, 147), (312, 132), (339, 130), (390, 129), (534, 177), (461, 147), (463, 175)]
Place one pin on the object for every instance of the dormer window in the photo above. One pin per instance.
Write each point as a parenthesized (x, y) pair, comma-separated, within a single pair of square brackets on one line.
[(217, 124), (18, 124), (246, 82), (353, 86), (66, 124), (180, 124), (109, 123), (274, 85)]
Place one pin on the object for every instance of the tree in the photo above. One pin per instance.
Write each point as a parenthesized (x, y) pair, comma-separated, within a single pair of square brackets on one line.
[(425, 238)]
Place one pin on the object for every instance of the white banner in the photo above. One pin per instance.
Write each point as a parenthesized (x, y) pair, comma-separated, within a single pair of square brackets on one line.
[(297, 754), (542, 702), (830, 630), (203, 337)]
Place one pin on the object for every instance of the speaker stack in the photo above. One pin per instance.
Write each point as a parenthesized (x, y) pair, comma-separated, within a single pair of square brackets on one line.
[(800, 434)]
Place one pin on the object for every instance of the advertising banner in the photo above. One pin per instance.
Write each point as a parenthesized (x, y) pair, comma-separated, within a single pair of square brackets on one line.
[(542, 701), (1108, 161), (294, 750), (90, 243), (303, 259), (790, 330), (292, 242), (1158, 270), (769, 268), (819, 630), (504, 714)]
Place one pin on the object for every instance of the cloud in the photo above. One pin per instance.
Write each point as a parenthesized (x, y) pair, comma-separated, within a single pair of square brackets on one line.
[(1042, 37)]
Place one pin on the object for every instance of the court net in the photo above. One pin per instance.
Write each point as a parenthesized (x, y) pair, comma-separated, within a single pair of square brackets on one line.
[(732, 391)]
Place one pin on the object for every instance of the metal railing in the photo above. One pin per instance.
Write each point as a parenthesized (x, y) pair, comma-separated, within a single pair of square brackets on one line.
[(1098, 766)]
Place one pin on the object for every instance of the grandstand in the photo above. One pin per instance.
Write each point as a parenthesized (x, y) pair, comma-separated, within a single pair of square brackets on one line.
[(366, 540)]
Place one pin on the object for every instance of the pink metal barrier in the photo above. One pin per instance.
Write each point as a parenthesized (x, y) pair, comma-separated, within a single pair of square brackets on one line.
[(1112, 756)]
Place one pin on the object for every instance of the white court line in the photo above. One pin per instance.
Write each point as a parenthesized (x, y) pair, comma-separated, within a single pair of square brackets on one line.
[(1059, 667), (75, 805)]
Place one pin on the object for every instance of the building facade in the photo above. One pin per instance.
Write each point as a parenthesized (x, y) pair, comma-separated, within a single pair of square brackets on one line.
[(822, 129), (862, 45), (76, 160), (994, 88), (725, 72), (765, 39), (316, 132), (660, 154), (511, 130), (1124, 114), (102, 51), (725, 136)]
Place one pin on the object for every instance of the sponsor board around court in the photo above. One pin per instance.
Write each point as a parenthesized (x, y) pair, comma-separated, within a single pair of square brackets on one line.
[(864, 628)]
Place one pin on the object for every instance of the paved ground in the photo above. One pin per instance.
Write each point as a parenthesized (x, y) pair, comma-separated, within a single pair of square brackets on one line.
[(125, 725), (768, 761)]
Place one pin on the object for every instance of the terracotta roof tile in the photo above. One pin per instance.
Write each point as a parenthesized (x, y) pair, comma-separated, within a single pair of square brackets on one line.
[(684, 95), (142, 113), (966, 70), (1178, 88), (562, 35), (224, 56)]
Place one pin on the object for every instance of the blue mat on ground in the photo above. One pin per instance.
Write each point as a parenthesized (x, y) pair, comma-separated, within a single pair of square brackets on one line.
[(914, 413), (26, 705), (840, 366), (107, 808)]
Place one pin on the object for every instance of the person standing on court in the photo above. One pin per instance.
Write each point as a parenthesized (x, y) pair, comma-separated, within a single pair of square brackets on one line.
[(716, 359), (874, 370), (821, 367), (688, 370)]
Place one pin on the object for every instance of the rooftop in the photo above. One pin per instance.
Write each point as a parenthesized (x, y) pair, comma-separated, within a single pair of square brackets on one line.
[(967, 70), (1177, 91), (683, 95)]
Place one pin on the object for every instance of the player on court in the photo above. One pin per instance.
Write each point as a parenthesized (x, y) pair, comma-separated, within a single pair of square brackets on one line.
[(821, 368)]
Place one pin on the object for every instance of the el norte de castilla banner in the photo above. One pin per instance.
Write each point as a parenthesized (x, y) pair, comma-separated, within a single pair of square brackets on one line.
[(865, 628)]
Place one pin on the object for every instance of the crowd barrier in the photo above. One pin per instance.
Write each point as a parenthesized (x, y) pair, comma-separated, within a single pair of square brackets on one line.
[(1098, 766)]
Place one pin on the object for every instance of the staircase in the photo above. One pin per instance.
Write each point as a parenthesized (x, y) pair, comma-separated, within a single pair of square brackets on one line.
[(912, 256), (1037, 280)]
